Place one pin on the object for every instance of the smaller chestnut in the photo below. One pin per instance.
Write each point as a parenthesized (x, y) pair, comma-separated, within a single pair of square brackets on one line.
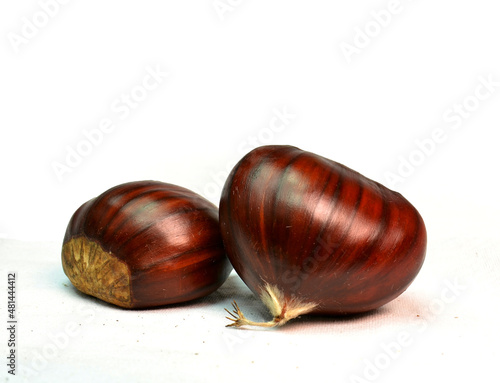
[(144, 244)]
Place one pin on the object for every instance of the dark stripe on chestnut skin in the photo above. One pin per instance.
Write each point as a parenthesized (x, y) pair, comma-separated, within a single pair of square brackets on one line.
[(359, 261), (419, 228), (228, 203), (132, 198), (101, 203), (152, 225), (184, 253), (408, 247), (304, 254), (124, 193), (80, 222), (339, 263), (175, 279), (144, 207), (284, 172), (307, 252), (232, 226), (154, 195), (274, 164), (386, 273), (316, 247), (333, 202), (365, 256), (253, 176), (268, 215), (346, 227)]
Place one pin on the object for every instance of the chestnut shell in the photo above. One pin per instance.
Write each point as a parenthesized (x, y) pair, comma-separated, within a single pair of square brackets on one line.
[(144, 244), (319, 231)]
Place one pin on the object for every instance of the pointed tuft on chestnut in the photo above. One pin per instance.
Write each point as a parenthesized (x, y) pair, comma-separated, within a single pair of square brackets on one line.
[(309, 235), (144, 244)]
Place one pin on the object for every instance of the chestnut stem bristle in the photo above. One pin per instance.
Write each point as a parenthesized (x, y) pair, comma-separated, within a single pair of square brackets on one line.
[(282, 309)]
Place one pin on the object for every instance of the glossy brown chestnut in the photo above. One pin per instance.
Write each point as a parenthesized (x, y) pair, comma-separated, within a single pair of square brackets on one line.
[(144, 244), (310, 235)]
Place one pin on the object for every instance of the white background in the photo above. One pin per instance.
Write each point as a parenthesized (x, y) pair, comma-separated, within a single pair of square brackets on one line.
[(231, 66)]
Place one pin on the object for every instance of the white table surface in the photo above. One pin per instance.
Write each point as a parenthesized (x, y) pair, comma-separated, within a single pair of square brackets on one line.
[(443, 328)]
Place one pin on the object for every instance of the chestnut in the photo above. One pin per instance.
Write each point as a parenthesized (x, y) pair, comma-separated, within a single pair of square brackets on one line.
[(143, 244), (310, 235)]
